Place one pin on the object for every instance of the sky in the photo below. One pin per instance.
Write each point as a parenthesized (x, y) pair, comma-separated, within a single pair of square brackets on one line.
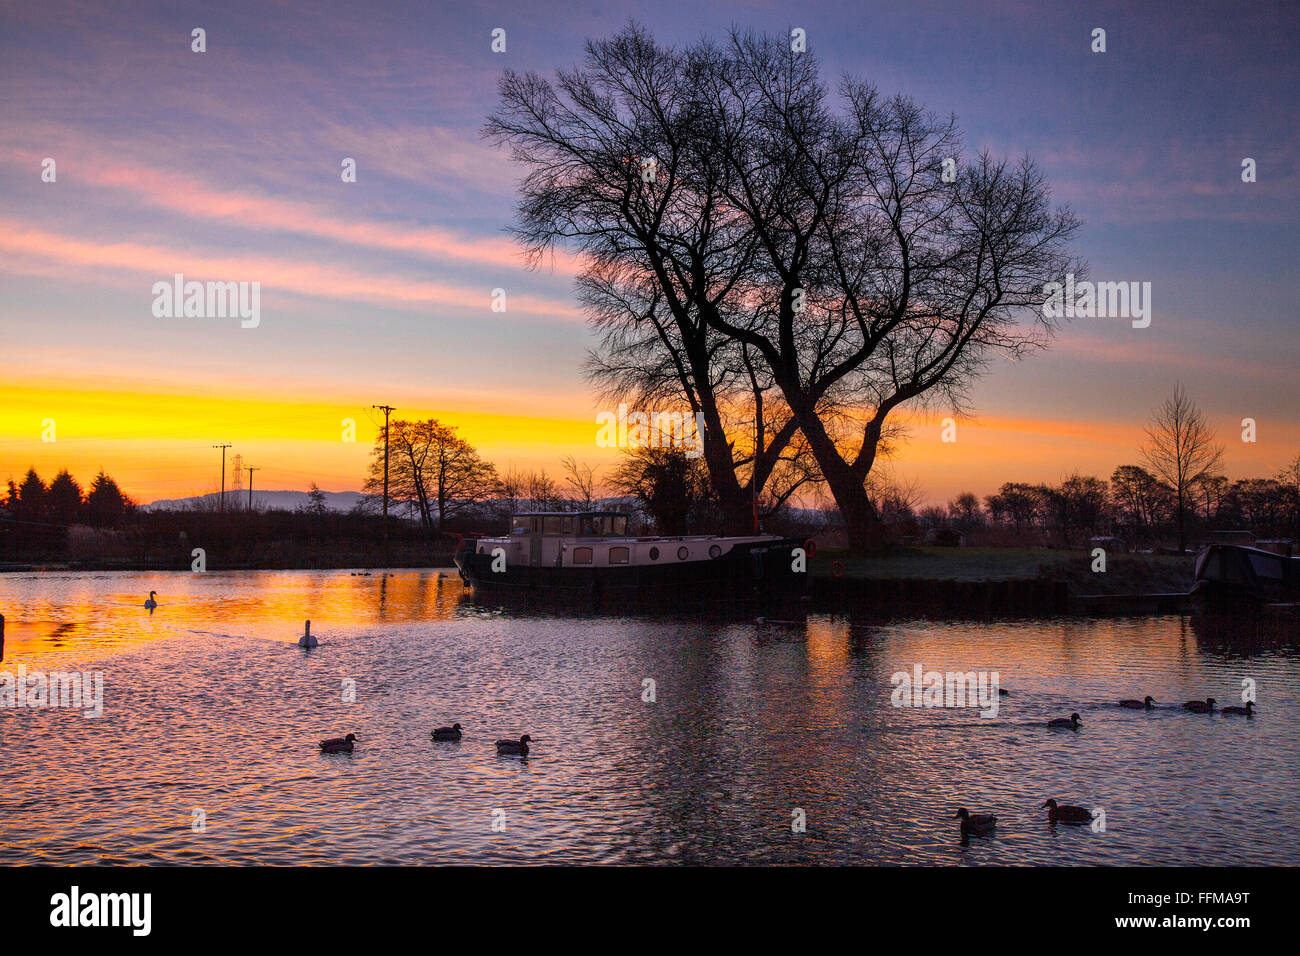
[(226, 165)]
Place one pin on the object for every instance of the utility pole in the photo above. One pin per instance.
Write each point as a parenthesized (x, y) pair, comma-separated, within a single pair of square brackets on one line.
[(387, 409), (223, 474), (250, 471)]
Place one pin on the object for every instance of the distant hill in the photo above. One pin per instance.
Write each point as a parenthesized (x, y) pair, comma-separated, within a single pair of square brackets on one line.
[(272, 500)]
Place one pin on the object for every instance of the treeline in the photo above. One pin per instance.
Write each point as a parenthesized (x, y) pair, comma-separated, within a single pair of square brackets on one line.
[(101, 527), (63, 502), (439, 480), (1134, 505)]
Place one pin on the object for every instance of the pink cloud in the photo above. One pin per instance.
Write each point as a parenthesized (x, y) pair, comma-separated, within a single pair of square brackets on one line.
[(31, 250)]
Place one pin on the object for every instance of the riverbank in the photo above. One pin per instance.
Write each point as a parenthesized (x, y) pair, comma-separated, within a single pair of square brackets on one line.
[(1124, 574), (998, 581)]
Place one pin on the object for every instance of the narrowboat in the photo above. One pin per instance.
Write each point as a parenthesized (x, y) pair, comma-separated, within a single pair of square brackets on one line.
[(589, 554), (1231, 577)]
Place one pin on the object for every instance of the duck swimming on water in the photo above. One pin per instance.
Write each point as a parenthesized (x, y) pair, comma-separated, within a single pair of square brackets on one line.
[(151, 603), (1200, 706), (1072, 722), (1246, 711), (338, 745), (979, 824), (446, 733), (519, 746), (1066, 814), (1143, 704)]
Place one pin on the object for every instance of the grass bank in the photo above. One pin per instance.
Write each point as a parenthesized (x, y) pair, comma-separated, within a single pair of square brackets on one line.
[(1125, 573)]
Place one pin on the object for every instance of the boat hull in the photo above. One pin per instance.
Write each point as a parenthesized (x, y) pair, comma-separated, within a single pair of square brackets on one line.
[(752, 569)]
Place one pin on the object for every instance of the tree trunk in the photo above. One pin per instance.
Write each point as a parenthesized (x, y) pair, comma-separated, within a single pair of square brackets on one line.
[(865, 531), (735, 502), (862, 523)]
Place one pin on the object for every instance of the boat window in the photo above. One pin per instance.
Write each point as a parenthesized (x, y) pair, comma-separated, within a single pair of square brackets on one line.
[(554, 524), (1266, 567), (618, 555), (654, 554), (585, 526), (620, 525), (582, 555), (568, 524), (521, 524), (683, 552), (715, 551)]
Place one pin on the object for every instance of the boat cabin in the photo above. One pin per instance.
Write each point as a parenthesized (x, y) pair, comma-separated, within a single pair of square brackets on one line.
[(597, 539), (570, 524)]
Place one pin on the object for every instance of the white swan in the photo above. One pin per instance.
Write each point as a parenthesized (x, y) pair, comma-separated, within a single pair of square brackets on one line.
[(151, 603), (307, 640)]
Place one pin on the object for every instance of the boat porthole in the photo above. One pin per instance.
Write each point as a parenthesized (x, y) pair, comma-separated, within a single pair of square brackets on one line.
[(683, 553), (654, 554), (715, 551), (837, 569)]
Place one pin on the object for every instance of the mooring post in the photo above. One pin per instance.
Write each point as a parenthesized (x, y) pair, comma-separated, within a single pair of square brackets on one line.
[(2, 637)]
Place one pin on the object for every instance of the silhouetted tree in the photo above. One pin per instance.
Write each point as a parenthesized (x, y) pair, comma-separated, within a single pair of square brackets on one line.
[(827, 244), (63, 499), (106, 506), (316, 503), (672, 489), (1181, 452), (437, 473), (1141, 502), (31, 504), (1017, 502), (581, 481)]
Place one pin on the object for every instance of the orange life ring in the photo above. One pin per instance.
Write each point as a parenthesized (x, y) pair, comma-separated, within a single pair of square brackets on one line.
[(810, 548)]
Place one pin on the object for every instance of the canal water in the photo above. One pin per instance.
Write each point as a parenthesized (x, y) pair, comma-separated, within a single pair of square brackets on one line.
[(660, 738)]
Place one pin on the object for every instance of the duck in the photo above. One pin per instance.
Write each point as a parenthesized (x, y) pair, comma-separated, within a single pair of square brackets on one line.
[(1003, 692), (1247, 711), (151, 603), (338, 745), (446, 733), (1143, 704), (1072, 722), (1200, 706), (307, 639), (1067, 813), (519, 746), (979, 824)]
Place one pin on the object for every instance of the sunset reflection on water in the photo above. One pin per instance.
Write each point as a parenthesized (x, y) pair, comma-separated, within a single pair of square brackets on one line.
[(209, 705)]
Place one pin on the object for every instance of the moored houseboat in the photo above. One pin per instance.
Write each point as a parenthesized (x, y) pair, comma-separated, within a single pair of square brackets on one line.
[(590, 554), (1230, 577)]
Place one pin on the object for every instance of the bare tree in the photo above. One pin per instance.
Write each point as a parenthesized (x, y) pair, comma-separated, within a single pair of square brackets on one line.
[(511, 489), (540, 489), (1181, 452), (852, 254), (582, 480), (436, 472), (610, 150)]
